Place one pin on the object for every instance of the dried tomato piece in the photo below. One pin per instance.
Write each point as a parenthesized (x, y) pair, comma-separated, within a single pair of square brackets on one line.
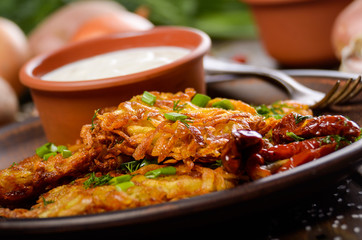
[(314, 127), (243, 144)]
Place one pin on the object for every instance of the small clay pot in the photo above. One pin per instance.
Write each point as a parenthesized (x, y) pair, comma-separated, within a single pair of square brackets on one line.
[(65, 106), (297, 33)]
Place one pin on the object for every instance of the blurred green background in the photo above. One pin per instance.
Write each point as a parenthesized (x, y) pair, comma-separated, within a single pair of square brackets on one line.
[(221, 19)]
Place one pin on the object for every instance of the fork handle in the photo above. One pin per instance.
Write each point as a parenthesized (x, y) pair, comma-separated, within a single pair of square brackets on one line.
[(320, 73), (214, 66)]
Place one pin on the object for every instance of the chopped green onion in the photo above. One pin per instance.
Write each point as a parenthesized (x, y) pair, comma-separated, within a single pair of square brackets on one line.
[(124, 186), (61, 148), (41, 151), (50, 149), (120, 179), (66, 153), (173, 116), (294, 136), (148, 98), (47, 155), (161, 171), (300, 118), (53, 148), (224, 104), (200, 100)]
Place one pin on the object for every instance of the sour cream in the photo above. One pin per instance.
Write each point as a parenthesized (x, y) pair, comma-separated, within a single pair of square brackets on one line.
[(117, 63)]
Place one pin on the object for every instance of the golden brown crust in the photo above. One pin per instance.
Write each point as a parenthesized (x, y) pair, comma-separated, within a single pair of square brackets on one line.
[(141, 130), (33, 175), (75, 199), (240, 139)]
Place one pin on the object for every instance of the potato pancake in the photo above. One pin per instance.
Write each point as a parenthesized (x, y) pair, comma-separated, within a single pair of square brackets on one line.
[(160, 147)]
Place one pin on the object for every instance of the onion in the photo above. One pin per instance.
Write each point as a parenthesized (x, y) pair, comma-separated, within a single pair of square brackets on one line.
[(9, 102), (14, 51), (57, 29), (347, 27), (111, 23)]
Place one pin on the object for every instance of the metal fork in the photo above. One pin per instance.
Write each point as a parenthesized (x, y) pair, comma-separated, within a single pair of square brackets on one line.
[(315, 99)]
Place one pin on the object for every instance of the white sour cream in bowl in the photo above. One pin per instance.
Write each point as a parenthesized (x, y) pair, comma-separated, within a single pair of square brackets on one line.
[(116, 63)]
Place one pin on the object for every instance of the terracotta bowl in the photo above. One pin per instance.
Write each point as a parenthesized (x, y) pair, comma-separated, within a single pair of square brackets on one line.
[(297, 33), (65, 106)]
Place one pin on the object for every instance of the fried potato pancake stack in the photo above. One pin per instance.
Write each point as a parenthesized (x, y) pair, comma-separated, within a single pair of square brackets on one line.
[(147, 152), (141, 130), (75, 199)]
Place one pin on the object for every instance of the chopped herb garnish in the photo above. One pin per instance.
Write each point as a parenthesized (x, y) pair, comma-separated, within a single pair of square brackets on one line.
[(200, 100), (270, 111), (148, 98), (300, 118), (224, 104), (50, 149), (94, 181), (294, 136), (12, 165), (46, 202), (169, 170), (173, 116), (176, 107), (131, 166), (135, 165), (47, 155), (336, 138), (41, 151), (94, 117), (120, 179), (216, 164), (61, 148), (124, 186), (66, 153), (53, 148)]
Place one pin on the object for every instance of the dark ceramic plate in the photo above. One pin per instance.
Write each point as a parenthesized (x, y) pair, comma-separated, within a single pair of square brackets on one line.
[(19, 140)]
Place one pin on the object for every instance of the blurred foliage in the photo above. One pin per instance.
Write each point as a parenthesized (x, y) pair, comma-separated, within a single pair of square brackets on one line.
[(218, 18), (28, 13)]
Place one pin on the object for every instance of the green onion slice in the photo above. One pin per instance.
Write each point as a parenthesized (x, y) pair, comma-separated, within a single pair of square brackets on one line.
[(120, 179), (124, 186), (47, 155), (200, 100), (50, 149), (294, 136), (224, 104), (41, 151), (66, 153), (148, 98), (173, 116), (53, 148), (61, 148), (161, 171)]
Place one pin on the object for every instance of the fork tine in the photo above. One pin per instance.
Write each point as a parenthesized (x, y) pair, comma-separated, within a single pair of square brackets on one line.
[(324, 101), (357, 88), (347, 88)]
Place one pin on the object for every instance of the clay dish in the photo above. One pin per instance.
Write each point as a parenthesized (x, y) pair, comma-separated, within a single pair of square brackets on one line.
[(65, 106), (297, 33)]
